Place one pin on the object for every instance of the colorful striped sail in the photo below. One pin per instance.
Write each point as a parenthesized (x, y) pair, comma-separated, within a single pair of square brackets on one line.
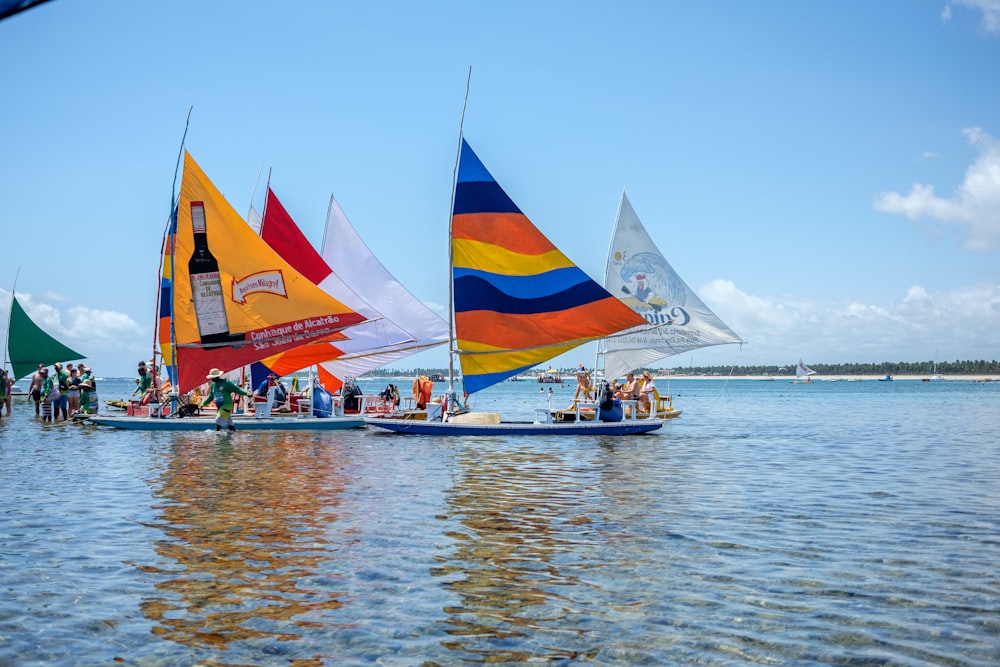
[(518, 300)]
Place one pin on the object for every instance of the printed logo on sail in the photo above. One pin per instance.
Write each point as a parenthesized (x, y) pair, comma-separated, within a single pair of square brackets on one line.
[(263, 282)]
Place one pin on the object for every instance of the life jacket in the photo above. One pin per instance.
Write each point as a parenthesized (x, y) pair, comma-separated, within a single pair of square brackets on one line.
[(422, 390)]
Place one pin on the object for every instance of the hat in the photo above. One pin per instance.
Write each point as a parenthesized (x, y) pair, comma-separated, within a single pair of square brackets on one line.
[(83, 367), (44, 369), (214, 373), (57, 365), (647, 374)]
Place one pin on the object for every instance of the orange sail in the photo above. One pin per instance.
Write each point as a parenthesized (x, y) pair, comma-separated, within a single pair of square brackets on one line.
[(227, 298)]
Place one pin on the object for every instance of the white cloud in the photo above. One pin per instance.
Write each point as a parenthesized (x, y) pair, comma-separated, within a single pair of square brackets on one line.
[(989, 8), (975, 205), (960, 324)]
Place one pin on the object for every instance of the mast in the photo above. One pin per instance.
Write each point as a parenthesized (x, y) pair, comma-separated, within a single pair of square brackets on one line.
[(169, 238), (452, 345), (10, 310), (599, 356)]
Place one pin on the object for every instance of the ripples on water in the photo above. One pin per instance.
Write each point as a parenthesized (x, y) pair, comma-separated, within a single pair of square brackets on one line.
[(852, 523)]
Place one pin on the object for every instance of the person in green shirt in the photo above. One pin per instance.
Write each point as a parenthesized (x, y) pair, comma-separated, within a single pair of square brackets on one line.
[(221, 393), (143, 382), (88, 397)]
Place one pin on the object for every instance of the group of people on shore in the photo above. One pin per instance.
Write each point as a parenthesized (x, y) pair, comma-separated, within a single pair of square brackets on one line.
[(62, 393)]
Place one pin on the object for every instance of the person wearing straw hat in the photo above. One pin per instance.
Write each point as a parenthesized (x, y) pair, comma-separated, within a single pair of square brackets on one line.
[(221, 392), (88, 397)]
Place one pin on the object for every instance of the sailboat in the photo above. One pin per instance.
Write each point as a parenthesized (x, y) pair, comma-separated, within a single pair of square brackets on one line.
[(231, 304), (29, 345), (934, 373), (802, 374), (345, 268), (516, 302), (676, 320)]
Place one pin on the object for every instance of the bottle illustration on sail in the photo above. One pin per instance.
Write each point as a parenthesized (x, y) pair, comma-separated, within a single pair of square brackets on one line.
[(206, 286)]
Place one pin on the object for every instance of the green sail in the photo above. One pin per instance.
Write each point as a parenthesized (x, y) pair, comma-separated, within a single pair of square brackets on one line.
[(28, 345)]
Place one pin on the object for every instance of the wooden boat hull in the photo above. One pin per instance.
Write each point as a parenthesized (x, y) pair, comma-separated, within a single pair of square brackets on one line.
[(421, 427), (241, 423)]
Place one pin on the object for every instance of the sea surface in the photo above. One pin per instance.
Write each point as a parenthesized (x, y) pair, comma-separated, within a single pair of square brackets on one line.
[(838, 523)]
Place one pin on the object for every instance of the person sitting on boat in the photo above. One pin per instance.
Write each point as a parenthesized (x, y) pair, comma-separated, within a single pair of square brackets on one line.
[(582, 383), (221, 393), (647, 391), (630, 390), (611, 405), (350, 394), (280, 392), (423, 388)]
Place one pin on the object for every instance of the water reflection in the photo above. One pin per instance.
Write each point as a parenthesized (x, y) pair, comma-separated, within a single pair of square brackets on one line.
[(243, 522), (525, 534)]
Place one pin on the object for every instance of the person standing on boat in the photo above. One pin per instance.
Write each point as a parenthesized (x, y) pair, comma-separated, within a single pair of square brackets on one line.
[(35, 388), (221, 393), (582, 383)]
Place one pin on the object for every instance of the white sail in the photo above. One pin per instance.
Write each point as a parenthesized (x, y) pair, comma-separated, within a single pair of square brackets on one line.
[(638, 274), (349, 257), (803, 371)]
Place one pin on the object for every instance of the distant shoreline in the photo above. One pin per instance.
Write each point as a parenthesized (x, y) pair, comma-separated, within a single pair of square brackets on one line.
[(831, 378), (759, 378)]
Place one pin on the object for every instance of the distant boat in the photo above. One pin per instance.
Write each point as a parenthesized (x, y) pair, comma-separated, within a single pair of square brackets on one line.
[(887, 378), (550, 376), (802, 374)]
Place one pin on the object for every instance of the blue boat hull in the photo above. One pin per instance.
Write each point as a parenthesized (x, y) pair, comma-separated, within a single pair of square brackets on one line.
[(420, 427)]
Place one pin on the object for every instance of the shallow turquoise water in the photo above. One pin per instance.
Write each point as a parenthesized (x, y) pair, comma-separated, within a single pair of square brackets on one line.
[(850, 523)]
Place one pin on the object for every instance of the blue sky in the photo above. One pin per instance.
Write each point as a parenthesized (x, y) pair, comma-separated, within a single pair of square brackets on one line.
[(825, 175)]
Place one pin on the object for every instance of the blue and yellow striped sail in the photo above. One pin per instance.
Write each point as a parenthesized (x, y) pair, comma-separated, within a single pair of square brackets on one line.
[(518, 300)]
